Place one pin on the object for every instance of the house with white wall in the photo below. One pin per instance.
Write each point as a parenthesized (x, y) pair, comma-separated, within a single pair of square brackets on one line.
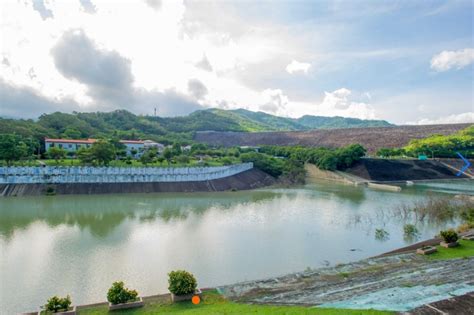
[(69, 145), (72, 145)]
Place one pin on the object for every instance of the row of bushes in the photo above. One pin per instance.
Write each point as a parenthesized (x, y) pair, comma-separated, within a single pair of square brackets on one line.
[(180, 282)]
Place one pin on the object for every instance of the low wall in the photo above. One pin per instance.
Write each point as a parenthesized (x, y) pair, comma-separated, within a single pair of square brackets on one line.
[(86, 174), (245, 180)]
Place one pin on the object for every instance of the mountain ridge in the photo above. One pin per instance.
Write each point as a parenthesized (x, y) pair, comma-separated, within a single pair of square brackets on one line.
[(126, 125)]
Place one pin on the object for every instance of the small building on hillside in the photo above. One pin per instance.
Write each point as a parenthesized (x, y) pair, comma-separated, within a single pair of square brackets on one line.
[(151, 144), (132, 147), (69, 145)]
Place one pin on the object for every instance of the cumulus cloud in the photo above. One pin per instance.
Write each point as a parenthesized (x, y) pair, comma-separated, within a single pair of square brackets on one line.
[(447, 60), (109, 79), (107, 74), (342, 102), (45, 13), (155, 4), (298, 67), (88, 6), (204, 64), (275, 101), (197, 89), (25, 102), (451, 119)]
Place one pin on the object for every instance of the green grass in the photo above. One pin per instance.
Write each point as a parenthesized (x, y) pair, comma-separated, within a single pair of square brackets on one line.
[(465, 249), (214, 303)]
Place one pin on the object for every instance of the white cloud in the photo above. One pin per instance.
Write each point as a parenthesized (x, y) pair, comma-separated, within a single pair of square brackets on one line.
[(343, 103), (451, 119), (275, 102), (447, 60), (296, 66)]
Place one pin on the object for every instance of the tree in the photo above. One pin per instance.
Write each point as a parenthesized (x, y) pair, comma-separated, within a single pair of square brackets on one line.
[(167, 154), (12, 148), (148, 156), (103, 152), (71, 133), (177, 149), (120, 148), (85, 155), (56, 153)]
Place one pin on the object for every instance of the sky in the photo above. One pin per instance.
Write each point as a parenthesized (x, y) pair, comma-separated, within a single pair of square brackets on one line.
[(407, 62)]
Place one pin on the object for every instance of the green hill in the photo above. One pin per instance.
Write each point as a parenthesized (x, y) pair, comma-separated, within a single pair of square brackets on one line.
[(125, 125)]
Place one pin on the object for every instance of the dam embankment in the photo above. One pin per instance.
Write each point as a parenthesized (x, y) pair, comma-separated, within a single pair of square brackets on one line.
[(383, 173), (67, 181), (385, 170)]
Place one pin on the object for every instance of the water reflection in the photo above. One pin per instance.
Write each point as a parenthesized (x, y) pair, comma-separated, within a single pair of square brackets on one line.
[(79, 245), (102, 214)]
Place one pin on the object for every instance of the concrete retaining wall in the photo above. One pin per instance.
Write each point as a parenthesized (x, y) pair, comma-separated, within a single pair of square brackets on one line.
[(64, 174), (249, 179)]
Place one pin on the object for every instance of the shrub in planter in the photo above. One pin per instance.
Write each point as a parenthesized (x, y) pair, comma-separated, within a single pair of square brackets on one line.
[(182, 283), (449, 236), (118, 294), (56, 304)]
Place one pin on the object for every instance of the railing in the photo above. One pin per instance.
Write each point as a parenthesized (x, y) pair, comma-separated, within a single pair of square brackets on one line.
[(86, 174)]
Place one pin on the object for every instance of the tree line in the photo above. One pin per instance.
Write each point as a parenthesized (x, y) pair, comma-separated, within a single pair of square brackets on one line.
[(436, 146)]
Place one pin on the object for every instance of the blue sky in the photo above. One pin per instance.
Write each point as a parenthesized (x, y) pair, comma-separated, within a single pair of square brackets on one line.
[(403, 61)]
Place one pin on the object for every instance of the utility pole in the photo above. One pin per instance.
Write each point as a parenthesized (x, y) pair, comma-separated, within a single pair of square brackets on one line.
[(155, 111)]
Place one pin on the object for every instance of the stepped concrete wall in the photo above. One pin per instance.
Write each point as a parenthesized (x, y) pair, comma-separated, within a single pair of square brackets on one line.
[(87, 174), (249, 179)]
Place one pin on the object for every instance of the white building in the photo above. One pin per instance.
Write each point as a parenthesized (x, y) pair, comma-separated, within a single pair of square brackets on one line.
[(151, 144), (68, 144), (131, 146), (134, 147)]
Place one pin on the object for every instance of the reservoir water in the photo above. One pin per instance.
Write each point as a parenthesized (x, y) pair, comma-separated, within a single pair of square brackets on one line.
[(79, 245)]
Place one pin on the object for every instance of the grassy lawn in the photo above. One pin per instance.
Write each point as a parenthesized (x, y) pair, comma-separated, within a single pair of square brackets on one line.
[(214, 303), (465, 249)]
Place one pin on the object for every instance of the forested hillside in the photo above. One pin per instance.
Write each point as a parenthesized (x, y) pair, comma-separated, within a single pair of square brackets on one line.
[(125, 125)]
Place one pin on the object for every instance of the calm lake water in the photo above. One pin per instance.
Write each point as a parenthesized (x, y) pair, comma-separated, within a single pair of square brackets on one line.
[(79, 245)]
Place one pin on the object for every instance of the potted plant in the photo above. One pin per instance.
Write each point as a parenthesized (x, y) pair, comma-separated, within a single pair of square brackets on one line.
[(182, 285), (120, 297), (426, 250), (58, 305), (450, 238)]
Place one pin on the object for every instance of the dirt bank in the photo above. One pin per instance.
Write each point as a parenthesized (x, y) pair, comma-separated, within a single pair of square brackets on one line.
[(243, 181), (383, 170), (371, 138)]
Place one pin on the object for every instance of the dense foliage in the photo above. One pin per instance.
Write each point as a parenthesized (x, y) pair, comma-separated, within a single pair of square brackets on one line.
[(449, 236), (125, 125), (323, 158), (56, 304), (436, 146), (181, 282), (14, 147), (264, 162), (118, 294)]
